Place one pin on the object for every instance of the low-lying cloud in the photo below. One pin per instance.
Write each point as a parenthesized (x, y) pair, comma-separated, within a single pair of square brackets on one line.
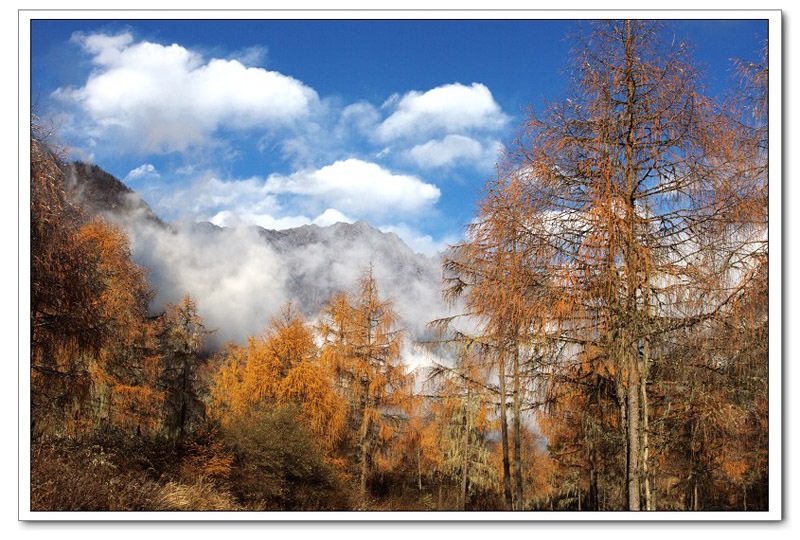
[(240, 280), (237, 281), (342, 192)]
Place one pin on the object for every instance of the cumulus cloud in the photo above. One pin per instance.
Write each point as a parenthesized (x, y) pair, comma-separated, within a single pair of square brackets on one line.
[(164, 98), (455, 150), (358, 187), (452, 108), (438, 153), (144, 170)]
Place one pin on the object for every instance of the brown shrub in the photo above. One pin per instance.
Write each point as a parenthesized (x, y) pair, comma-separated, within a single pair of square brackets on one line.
[(206, 457), (278, 464)]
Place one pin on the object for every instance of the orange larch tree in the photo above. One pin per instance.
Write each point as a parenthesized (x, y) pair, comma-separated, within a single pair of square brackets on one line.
[(362, 345), (93, 358), (125, 370), (626, 217), (280, 368), (507, 297)]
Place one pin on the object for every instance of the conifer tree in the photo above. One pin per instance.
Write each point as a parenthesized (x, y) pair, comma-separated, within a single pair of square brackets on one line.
[(92, 348), (362, 344), (182, 340), (281, 368), (627, 208)]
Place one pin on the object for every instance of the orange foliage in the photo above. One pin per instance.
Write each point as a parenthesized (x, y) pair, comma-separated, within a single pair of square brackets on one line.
[(280, 368), (93, 358), (362, 350)]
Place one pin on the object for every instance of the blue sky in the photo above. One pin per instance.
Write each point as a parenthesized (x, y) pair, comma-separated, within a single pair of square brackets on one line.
[(283, 123)]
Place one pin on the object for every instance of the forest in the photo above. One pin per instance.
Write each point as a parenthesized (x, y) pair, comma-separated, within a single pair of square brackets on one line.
[(610, 352)]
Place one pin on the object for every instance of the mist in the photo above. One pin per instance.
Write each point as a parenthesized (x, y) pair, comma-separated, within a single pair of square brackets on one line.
[(242, 276)]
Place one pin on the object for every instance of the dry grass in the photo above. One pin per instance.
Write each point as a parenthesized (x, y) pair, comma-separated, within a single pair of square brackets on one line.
[(200, 496), (76, 478)]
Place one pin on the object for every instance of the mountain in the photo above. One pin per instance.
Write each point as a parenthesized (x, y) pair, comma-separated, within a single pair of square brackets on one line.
[(102, 193), (242, 277), (320, 260)]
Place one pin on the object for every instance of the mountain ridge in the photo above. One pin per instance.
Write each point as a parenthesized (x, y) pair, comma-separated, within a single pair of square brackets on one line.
[(242, 276), (102, 193)]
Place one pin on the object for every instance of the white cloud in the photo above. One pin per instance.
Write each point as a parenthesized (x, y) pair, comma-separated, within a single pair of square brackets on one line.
[(362, 116), (243, 217), (251, 56), (331, 216), (146, 169), (106, 48), (237, 280), (238, 218), (358, 187), (452, 108), (208, 195), (455, 150), (189, 168), (167, 98), (344, 191)]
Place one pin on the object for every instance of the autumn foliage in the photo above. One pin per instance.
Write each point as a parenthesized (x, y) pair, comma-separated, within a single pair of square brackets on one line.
[(622, 237), (609, 350)]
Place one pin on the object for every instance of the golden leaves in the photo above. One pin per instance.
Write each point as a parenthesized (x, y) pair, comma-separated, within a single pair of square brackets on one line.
[(282, 367), (91, 344)]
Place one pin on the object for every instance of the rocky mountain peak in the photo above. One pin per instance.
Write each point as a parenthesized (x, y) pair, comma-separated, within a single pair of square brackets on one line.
[(241, 277)]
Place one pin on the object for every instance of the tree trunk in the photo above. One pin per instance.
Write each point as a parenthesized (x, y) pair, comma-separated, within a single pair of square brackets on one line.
[(419, 469), (517, 411), (504, 436), (631, 270), (362, 485), (465, 460), (184, 387), (622, 397), (645, 451), (634, 502), (364, 445)]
